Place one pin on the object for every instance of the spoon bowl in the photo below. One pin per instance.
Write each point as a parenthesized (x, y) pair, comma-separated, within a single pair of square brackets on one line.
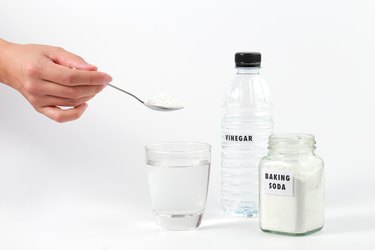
[(150, 106), (161, 108)]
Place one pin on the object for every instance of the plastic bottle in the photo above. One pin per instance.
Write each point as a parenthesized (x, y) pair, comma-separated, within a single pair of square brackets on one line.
[(246, 125)]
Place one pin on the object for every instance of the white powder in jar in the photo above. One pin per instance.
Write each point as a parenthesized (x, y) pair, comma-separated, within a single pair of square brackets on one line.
[(299, 213), (165, 101)]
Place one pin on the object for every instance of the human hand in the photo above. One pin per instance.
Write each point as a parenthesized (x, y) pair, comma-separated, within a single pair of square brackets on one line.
[(51, 78)]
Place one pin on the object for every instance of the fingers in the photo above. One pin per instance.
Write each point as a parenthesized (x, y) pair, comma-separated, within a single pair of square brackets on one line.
[(51, 77), (49, 101), (51, 89), (68, 59), (70, 77), (63, 115), (47, 97)]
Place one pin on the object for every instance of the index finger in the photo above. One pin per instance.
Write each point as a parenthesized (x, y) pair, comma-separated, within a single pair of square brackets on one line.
[(71, 77)]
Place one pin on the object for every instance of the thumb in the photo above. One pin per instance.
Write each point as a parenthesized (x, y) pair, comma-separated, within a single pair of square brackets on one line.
[(64, 115), (70, 60)]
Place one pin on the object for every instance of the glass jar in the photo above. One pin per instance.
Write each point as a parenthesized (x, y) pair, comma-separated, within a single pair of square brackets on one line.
[(291, 186)]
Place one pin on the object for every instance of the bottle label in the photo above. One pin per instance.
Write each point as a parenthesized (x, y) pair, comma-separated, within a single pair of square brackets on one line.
[(239, 138), (277, 182)]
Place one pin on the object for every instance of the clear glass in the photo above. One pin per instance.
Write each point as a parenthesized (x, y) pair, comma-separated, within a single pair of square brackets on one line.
[(246, 125), (178, 181), (302, 211)]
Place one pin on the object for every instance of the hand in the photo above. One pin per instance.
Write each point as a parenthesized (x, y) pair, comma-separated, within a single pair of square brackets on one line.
[(50, 78)]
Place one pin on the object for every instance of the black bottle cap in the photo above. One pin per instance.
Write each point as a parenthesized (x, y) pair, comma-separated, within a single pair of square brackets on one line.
[(248, 59)]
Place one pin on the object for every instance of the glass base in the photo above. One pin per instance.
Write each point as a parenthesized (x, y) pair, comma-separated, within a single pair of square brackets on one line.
[(292, 234), (178, 222)]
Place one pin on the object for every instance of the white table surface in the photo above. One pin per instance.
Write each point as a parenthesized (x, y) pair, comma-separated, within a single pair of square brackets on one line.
[(108, 225)]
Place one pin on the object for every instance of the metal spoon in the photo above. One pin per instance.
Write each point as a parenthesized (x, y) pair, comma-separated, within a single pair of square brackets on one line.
[(154, 107)]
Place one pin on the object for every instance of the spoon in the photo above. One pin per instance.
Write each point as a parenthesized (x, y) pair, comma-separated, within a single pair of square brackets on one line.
[(154, 107)]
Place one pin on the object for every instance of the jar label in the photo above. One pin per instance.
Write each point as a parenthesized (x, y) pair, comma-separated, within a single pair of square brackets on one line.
[(279, 182)]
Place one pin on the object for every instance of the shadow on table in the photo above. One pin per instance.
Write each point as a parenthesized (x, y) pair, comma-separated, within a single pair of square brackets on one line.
[(341, 224), (229, 223), (350, 223)]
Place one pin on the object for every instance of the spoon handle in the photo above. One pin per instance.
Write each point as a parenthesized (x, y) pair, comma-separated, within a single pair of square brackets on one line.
[(126, 92)]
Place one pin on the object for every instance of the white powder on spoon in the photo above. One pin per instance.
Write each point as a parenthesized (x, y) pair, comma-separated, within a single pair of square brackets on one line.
[(165, 101)]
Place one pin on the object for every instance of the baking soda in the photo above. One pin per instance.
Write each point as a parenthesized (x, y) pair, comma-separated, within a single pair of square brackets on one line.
[(165, 101), (295, 211)]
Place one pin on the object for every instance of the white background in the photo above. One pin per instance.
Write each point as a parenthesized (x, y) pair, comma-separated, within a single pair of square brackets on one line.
[(83, 185)]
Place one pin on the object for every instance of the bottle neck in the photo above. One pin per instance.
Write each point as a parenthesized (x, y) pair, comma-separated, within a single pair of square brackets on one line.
[(248, 70)]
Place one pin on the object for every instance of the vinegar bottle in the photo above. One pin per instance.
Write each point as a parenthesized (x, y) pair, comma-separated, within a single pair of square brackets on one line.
[(246, 125)]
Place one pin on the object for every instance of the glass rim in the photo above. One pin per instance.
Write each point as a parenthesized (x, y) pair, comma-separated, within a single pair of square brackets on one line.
[(205, 147)]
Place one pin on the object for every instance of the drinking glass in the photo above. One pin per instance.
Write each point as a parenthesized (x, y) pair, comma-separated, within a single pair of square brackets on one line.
[(178, 182)]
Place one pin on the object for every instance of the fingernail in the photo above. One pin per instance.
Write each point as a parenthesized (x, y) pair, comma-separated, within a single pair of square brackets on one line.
[(90, 65), (107, 79)]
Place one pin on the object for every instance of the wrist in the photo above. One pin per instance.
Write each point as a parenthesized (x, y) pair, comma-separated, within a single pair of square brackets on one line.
[(3, 48)]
